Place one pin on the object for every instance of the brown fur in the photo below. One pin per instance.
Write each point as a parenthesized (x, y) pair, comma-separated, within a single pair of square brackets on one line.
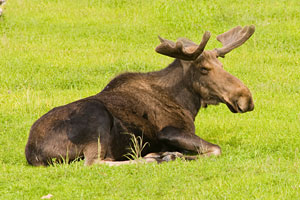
[(160, 106)]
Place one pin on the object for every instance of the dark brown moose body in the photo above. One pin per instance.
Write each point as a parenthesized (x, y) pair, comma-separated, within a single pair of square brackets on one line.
[(159, 106)]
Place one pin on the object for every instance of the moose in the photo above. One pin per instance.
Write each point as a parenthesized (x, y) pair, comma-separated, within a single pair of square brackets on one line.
[(159, 106)]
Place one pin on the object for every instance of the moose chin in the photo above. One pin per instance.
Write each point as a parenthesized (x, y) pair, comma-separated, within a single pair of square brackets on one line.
[(158, 106)]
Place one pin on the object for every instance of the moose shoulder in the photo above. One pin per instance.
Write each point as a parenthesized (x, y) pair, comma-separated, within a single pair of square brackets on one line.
[(160, 106)]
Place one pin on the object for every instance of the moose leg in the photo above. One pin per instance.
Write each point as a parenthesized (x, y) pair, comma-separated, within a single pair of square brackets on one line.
[(90, 128), (96, 149), (92, 153), (174, 137), (126, 162)]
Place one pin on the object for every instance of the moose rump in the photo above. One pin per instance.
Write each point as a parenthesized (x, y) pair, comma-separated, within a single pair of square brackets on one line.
[(68, 132)]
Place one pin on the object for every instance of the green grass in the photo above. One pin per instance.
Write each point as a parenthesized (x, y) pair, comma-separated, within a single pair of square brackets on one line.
[(55, 52)]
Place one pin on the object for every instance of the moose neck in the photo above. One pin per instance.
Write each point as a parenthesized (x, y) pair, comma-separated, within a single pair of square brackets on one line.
[(177, 80)]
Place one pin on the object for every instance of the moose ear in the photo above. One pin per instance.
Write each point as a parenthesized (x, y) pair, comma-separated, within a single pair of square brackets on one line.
[(234, 38), (183, 49)]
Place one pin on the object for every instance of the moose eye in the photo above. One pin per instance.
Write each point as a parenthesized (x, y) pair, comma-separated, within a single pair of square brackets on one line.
[(204, 70)]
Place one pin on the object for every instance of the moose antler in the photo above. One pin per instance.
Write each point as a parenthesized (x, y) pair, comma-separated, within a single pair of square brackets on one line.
[(183, 49), (234, 38)]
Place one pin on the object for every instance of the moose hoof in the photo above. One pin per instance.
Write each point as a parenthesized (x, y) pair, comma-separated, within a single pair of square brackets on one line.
[(170, 156), (216, 151), (175, 154), (152, 155)]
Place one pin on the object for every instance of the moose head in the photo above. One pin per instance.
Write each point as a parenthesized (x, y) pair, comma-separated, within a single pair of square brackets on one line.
[(209, 79)]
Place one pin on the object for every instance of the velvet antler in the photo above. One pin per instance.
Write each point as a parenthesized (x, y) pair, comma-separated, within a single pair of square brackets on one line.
[(234, 38), (183, 49)]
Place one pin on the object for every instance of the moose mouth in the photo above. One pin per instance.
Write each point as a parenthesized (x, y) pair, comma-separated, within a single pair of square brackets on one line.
[(234, 107)]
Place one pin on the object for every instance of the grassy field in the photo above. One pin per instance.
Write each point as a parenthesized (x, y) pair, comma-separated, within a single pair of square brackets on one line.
[(55, 52)]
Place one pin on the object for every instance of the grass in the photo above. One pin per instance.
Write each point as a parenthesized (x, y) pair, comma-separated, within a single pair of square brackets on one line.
[(136, 147), (55, 52)]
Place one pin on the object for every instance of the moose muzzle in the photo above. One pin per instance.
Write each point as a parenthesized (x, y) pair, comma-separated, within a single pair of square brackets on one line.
[(241, 101)]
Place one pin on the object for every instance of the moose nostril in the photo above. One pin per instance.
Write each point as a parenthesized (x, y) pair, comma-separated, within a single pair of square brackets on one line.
[(240, 110), (245, 104)]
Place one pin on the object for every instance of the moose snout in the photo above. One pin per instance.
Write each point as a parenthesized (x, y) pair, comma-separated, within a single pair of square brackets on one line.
[(244, 101), (244, 104), (240, 101)]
